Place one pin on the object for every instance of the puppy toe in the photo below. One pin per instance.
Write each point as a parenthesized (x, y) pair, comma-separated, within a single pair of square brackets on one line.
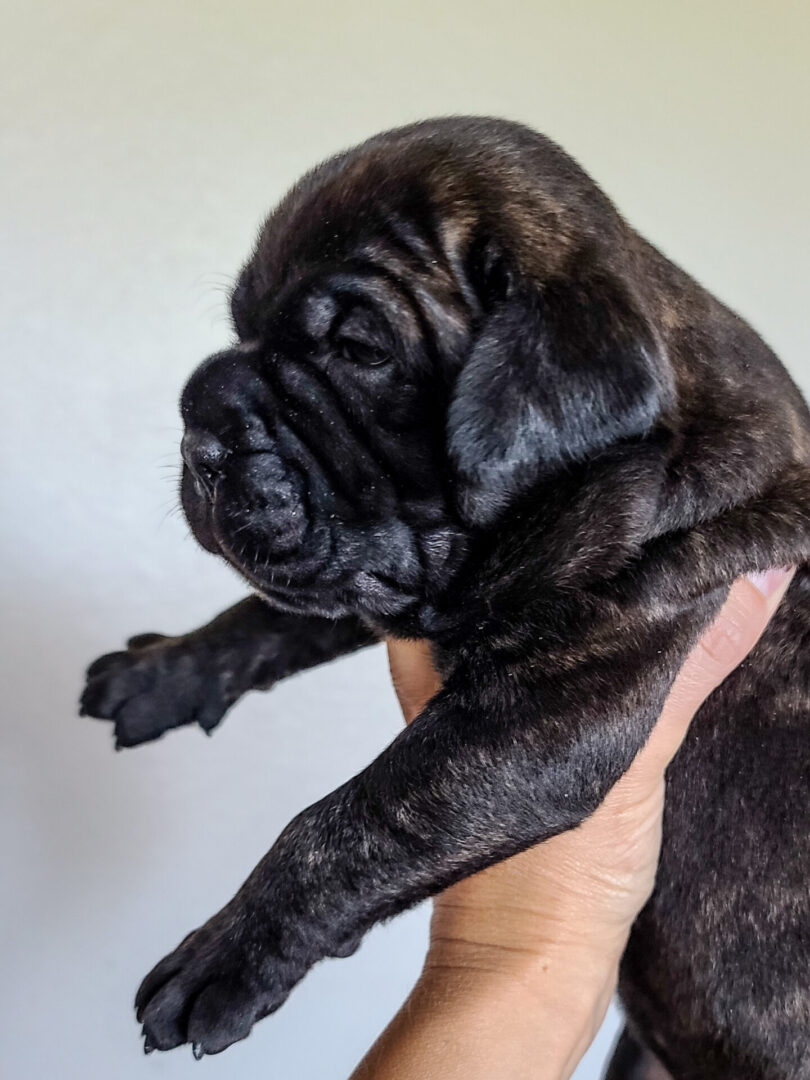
[(210, 713), (223, 1013), (142, 719), (160, 974), (107, 663), (108, 690), (141, 641), (165, 1015)]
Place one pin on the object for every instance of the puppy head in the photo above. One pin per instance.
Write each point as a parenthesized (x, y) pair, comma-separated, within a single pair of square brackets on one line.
[(430, 326)]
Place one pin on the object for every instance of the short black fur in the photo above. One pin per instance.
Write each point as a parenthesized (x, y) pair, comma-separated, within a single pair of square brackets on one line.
[(469, 403)]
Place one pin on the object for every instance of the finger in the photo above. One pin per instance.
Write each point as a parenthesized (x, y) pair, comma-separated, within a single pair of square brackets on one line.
[(413, 674), (740, 623)]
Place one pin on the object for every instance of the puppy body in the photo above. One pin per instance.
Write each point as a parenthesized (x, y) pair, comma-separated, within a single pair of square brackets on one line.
[(470, 404)]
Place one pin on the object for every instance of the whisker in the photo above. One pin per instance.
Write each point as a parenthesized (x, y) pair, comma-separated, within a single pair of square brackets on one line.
[(175, 510), (243, 528)]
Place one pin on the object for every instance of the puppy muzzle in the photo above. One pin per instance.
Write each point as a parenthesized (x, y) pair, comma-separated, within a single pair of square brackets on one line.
[(239, 496)]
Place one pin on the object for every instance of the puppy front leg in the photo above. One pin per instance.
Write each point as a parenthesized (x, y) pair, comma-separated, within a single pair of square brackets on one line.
[(162, 682), (505, 756)]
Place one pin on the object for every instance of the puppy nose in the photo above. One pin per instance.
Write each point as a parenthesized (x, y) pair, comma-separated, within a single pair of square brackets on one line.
[(204, 454)]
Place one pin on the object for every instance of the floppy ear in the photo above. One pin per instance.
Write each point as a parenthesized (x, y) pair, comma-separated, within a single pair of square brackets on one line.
[(555, 374)]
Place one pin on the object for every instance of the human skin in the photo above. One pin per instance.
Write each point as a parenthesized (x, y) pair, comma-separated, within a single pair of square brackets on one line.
[(523, 958)]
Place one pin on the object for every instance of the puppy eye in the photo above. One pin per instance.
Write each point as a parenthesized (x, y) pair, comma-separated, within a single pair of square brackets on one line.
[(361, 352)]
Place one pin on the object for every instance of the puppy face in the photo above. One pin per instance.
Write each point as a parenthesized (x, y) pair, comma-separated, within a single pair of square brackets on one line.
[(405, 374), (316, 447)]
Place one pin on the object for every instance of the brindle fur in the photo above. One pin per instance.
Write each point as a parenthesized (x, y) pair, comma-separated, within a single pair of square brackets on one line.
[(469, 403)]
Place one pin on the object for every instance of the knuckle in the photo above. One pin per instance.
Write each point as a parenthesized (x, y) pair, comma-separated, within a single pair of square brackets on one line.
[(726, 643)]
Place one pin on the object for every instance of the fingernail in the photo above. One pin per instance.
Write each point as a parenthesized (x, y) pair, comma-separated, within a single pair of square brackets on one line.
[(770, 581)]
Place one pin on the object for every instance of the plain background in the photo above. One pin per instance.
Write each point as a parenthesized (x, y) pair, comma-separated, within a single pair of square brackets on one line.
[(141, 145)]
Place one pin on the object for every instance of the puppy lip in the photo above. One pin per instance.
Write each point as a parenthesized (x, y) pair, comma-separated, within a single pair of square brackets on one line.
[(203, 529)]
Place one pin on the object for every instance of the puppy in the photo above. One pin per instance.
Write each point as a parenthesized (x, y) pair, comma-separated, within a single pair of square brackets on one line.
[(468, 403)]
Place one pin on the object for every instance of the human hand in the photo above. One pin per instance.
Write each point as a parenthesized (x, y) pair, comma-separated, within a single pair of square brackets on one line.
[(523, 957)]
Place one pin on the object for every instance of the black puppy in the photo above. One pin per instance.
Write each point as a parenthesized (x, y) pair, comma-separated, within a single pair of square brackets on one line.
[(469, 403)]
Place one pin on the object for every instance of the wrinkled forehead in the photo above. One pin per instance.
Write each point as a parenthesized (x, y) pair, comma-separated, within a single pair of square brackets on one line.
[(319, 301), (363, 237), (349, 207)]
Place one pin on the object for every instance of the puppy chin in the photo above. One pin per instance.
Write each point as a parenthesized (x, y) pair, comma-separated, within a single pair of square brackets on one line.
[(378, 597), (322, 606)]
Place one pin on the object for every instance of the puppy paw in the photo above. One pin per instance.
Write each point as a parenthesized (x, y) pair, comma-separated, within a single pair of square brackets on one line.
[(156, 684), (213, 988)]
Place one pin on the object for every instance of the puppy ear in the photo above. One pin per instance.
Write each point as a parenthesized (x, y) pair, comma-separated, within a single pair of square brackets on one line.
[(554, 375)]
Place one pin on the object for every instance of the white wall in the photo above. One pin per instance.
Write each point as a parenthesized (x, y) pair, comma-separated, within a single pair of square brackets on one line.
[(141, 145)]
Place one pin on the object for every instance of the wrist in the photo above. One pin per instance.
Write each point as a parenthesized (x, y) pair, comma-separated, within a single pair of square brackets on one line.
[(536, 938), (577, 981), (537, 1013)]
